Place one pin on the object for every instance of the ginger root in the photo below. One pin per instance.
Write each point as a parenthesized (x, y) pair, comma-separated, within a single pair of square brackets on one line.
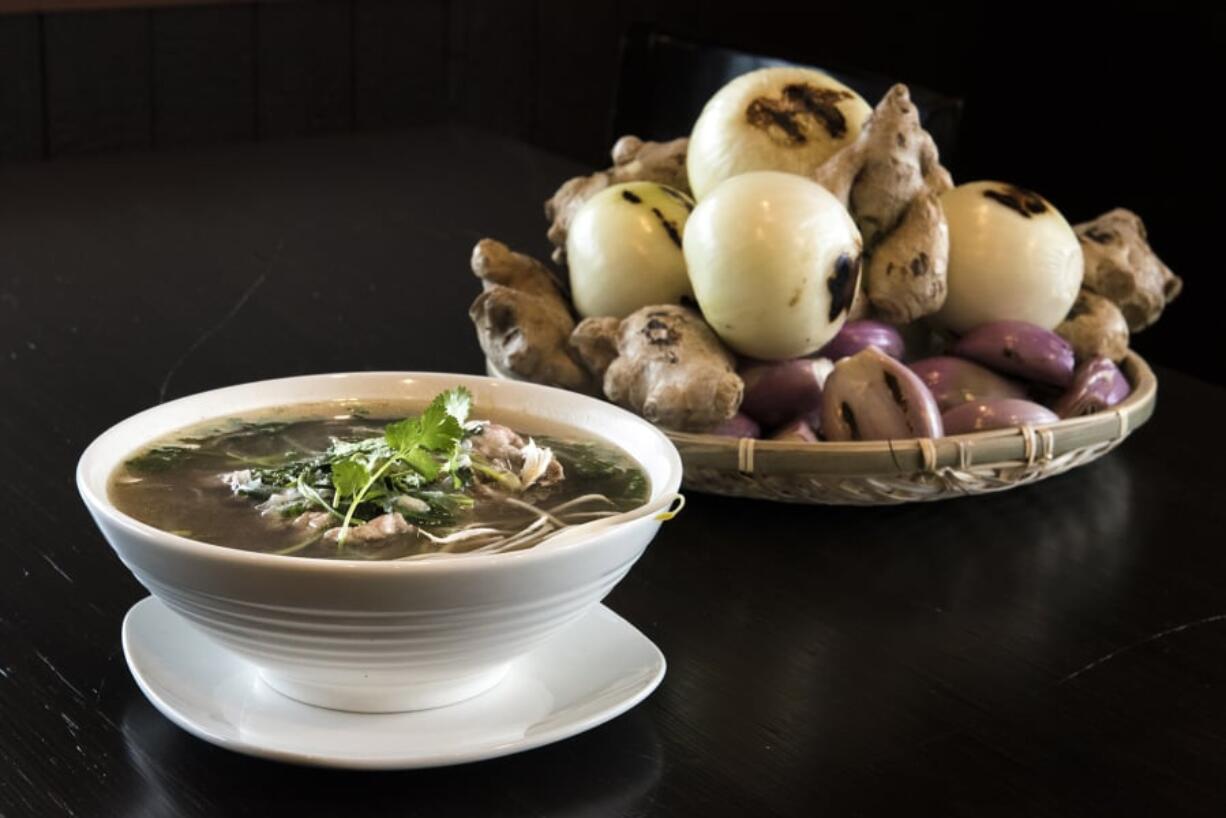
[(669, 366), (889, 179), (595, 341), (1120, 266), (633, 161), (1094, 327), (860, 307), (523, 321)]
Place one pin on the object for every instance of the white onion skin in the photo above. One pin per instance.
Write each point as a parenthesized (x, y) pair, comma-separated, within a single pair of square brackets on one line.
[(774, 260), (724, 141), (1007, 262), (623, 249)]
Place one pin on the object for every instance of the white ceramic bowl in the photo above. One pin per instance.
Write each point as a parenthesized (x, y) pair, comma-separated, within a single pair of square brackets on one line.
[(382, 636)]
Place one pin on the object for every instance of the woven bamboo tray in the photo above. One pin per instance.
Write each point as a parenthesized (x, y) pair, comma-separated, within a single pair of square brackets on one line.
[(904, 471)]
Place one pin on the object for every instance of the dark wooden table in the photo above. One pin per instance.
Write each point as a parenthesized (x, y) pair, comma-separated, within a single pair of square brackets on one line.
[(1056, 650)]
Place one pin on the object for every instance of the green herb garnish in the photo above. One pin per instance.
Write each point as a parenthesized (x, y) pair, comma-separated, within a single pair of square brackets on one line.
[(416, 443), (417, 467)]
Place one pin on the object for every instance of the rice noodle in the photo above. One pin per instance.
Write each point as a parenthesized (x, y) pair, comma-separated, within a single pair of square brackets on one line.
[(534, 509), (587, 498), (460, 536), (519, 538), (591, 515)]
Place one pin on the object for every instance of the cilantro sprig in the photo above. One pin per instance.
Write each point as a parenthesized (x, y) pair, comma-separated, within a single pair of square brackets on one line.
[(418, 467), (427, 445)]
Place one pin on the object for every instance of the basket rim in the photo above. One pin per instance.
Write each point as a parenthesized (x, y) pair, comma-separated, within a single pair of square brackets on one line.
[(1022, 445)]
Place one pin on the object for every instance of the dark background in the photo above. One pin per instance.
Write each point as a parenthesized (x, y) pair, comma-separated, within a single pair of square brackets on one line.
[(1095, 107), (1053, 650)]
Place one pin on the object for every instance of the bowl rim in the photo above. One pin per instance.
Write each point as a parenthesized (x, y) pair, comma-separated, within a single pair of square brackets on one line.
[(100, 503)]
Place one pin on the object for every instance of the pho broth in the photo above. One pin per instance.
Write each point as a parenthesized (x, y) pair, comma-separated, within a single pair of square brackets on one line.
[(282, 481)]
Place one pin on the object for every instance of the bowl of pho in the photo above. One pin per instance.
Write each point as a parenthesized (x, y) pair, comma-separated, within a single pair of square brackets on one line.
[(380, 541)]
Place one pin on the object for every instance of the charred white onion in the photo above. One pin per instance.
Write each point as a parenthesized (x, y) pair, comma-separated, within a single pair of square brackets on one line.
[(783, 118), (624, 249), (775, 261), (1012, 256)]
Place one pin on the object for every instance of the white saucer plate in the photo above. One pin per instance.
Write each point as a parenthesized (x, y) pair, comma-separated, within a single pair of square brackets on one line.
[(595, 670)]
